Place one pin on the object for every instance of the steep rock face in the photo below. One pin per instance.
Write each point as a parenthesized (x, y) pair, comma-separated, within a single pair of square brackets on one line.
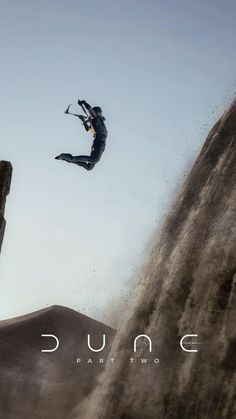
[(5, 181), (189, 288), (35, 384)]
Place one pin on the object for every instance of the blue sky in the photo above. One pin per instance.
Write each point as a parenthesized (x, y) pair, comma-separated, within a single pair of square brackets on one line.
[(163, 72)]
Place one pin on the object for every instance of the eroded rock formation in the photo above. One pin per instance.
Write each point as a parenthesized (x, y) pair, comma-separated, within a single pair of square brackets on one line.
[(189, 288), (5, 181)]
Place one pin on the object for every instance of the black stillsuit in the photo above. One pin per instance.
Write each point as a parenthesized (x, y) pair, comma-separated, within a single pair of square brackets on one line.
[(99, 142)]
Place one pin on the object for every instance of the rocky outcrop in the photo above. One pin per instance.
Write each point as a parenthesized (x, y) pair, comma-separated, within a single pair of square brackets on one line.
[(5, 181), (36, 384), (189, 288)]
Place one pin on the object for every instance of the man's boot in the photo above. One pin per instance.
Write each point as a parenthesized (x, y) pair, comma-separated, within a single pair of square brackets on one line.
[(64, 156)]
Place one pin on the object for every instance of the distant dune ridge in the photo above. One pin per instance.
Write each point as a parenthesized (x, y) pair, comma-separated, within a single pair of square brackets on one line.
[(48, 385), (189, 288)]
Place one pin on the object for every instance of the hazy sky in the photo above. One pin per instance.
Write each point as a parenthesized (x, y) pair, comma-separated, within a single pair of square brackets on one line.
[(163, 71)]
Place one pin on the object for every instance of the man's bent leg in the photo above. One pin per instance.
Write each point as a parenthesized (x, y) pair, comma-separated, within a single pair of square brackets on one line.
[(84, 161), (96, 153)]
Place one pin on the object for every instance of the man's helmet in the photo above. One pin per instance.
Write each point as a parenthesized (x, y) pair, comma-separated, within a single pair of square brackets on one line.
[(97, 109)]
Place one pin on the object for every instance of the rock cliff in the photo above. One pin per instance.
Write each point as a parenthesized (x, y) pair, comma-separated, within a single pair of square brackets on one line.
[(5, 181), (189, 287)]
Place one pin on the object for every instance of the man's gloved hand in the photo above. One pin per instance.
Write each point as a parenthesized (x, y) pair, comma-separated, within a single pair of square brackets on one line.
[(81, 102)]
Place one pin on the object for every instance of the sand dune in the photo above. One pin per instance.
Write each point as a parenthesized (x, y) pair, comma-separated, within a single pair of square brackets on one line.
[(41, 385)]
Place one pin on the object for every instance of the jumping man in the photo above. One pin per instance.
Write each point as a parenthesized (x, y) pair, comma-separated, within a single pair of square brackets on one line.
[(94, 121)]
